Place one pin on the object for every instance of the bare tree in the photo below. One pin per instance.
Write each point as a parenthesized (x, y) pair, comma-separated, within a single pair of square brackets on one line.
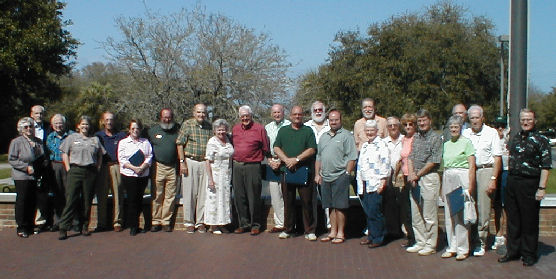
[(187, 57)]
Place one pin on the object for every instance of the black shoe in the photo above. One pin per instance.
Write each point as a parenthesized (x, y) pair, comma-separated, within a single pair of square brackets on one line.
[(167, 228), (156, 228), (54, 228), (101, 229), (133, 231), (508, 258), (529, 261), (62, 235), (76, 228)]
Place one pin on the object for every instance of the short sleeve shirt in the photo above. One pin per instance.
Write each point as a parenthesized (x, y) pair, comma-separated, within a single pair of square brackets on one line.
[(334, 152), (194, 137), (486, 143), (426, 148), (82, 151), (456, 153), (164, 144), (293, 142), (529, 153)]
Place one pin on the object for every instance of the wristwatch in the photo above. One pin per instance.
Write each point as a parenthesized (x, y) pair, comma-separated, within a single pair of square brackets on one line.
[(297, 159), (182, 160)]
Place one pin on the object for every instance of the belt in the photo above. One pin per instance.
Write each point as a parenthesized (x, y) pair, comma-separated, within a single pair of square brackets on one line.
[(87, 166), (57, 162), (485, 166), (196, 158), (245, 163)]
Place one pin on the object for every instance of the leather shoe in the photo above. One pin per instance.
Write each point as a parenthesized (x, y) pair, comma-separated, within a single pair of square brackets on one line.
[(277, 230), (374, 245), (507, 258), (365, 241), (166, 228), (62, 235), (133, 231), (255, 231), (529, 261), (239, 230), (156, 228)]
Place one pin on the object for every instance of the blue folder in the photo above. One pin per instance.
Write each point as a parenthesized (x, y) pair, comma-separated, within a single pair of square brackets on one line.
[(455, 200), (137, 159), (298, 176)]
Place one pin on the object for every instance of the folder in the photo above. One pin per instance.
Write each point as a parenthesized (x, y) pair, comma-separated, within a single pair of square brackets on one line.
[(137, 159), (455, 200)]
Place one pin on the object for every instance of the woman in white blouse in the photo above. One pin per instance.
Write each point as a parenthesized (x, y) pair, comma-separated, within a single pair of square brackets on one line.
[(218, 163), (135, 156)]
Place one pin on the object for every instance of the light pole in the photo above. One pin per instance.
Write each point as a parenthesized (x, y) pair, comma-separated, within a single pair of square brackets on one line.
[(502, 39)]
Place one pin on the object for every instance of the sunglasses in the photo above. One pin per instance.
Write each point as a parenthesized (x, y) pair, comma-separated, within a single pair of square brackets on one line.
[(408, 124), (26, 126), (318, 110)]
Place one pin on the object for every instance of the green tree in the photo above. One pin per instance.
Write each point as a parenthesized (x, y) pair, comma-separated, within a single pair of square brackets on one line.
[(543, 105), (35, 49), (430, 60)]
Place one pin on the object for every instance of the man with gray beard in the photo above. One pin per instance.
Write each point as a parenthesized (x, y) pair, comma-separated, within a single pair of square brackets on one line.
[(368, 108), (163, 140)]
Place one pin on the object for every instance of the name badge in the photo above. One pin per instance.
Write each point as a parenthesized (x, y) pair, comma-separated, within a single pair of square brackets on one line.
[(158, 136)]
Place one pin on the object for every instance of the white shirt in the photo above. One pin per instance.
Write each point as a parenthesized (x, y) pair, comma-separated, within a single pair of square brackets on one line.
[(373, 165), (272, 131), (395, 148), (486, 143), (127, 147), (39, 132), (313, 125)]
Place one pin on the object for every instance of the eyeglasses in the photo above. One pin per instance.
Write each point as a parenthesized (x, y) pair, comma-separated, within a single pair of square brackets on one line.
[(318, 110), (393, 125), (408, 124), (26, 126)]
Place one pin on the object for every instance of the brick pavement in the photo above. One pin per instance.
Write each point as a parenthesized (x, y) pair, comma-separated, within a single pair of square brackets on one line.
[(181, 255)]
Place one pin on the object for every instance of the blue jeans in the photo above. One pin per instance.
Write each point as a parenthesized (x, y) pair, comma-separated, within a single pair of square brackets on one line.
[(375, 220)]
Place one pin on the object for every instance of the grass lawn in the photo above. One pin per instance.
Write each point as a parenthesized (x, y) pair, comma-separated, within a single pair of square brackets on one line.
[(5, 173), (3, 158), (551, 185)]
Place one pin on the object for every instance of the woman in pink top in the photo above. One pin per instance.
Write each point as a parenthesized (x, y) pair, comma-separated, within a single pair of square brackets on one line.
[(409, 123)]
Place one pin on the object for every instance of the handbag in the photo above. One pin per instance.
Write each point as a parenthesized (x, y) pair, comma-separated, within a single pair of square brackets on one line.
[(469, 211)]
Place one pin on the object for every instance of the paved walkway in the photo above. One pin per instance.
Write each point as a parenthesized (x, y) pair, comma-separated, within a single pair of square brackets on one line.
[(181, 255)]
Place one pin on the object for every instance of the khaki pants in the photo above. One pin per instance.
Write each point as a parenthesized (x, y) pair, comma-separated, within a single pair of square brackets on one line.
[(277, 200), (424, 213), (163, 193), (109, 178), (480, 230), (193, 193)]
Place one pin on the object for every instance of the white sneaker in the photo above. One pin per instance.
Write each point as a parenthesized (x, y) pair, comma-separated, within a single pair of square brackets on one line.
[(284, 235), (426, 251), (414, 249), (311, 237), (479, 251)]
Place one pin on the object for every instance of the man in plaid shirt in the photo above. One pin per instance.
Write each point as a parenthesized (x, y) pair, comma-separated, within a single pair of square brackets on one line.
[(192, 144)]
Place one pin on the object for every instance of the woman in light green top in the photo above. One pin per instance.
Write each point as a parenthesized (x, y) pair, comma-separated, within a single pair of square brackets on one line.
[(459, 171)]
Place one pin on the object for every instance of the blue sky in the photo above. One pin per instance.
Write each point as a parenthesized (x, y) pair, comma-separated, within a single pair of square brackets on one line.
[(305, 29)]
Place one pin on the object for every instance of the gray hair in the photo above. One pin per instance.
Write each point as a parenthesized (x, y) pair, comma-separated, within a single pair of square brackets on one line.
[(423, 113), (455, 119), (247, 108), (371, 124), (22, 122), (477, 108), (220, 122), (316, 103), (393, 118), (58, 115), (526, 110)]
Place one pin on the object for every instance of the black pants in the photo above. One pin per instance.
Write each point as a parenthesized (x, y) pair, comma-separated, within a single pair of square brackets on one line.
[(306, 193), (58, 188), (246, 180), (397, 211), (25, 204), (522, 210), (135, 187), (81, 186)]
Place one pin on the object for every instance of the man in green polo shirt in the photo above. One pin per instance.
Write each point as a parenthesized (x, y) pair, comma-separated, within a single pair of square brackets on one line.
[(163, 139), (295, 146), (335, 161)]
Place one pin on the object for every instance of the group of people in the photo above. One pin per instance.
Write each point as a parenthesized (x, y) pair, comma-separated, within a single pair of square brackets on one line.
[(396, 175)]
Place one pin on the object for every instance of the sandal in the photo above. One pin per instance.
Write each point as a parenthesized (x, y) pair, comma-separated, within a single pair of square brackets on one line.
[(338, 240), (327, 238)]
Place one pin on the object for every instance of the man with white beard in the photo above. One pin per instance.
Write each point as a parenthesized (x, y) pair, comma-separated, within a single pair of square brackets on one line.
[(163, 139), (319, 125)]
